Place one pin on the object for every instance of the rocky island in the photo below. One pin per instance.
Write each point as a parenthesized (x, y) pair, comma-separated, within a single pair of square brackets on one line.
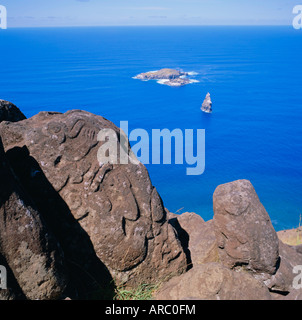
[(169, 77), (207, 104), (72, 228)]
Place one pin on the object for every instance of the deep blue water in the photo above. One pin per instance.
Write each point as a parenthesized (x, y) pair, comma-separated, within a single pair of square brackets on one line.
[(253, 75)]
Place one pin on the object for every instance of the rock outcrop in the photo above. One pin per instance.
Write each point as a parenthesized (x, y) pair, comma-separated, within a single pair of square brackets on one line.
[(213, 281), (247, 239), (207, 104), (27, 247), (250, 261), (9, 112), (282, 280), (115, 205), (73, 226), (243, 229)]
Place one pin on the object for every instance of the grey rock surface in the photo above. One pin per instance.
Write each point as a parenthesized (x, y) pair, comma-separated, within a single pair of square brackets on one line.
[(243, 229)]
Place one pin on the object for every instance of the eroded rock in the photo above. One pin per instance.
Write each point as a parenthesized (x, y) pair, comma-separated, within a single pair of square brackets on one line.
[(212, 281), (9, 112), (27, 246), (282, 281), (244, 232), (116, 205)]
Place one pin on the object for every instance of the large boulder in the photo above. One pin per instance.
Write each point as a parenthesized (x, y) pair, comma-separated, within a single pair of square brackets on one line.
[(114, 204), (9, 112), (246, 261), (213, 281), (245, 235), (246, 238), (27, 247)]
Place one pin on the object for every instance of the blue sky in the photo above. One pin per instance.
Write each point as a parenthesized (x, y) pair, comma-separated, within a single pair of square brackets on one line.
[(52, 13)]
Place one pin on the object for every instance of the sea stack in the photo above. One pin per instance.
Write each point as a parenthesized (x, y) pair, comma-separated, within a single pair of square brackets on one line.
[(207, 104)]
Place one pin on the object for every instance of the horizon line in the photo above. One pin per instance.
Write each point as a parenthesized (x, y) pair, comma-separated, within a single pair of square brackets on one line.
[(172, 25)]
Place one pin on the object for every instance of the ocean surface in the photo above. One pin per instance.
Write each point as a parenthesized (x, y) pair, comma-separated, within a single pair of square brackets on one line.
[(253, 74)]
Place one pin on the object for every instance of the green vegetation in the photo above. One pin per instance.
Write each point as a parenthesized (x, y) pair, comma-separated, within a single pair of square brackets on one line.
[(142, 292)]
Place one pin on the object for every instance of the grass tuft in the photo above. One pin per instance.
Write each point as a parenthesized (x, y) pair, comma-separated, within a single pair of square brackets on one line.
[(142, 292)]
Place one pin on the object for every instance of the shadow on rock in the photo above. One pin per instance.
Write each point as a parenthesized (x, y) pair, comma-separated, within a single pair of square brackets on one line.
[(184, 239), (89, 277)]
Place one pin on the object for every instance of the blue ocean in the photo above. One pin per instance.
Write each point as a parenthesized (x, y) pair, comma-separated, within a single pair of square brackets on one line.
[(253, 75)]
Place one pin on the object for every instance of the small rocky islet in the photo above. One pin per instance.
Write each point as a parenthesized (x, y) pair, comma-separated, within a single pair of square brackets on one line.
[(207, 104), (168, 77), (175, 78)]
